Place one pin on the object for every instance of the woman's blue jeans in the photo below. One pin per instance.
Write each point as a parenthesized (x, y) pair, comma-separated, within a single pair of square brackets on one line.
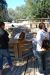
[(40, 55)]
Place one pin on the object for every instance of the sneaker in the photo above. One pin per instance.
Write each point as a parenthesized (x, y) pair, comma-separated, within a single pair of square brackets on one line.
[(37, 73)]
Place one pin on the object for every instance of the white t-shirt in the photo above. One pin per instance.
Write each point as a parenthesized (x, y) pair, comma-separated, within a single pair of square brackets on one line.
[(41, 35)]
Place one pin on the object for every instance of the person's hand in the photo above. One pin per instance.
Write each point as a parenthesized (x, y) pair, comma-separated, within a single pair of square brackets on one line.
[(43, 49)]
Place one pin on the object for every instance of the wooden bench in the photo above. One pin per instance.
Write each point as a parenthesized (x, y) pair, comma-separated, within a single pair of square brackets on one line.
[(22, 50), (25, 51)]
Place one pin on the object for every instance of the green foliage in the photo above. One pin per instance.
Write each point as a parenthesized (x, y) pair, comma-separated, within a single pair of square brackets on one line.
[(11, 13), (21, 12), (38, 8), (3, 4), (43, 9), (3, 10), (18, 13), (31, 9)]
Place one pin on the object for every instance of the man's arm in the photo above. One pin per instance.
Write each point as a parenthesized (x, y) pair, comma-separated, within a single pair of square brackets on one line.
[(6, 36)]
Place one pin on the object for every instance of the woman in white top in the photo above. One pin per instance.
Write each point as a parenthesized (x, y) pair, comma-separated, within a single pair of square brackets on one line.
[(41, 35)]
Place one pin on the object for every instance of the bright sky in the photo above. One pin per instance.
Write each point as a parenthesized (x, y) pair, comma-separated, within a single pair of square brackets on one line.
[(14, 3)]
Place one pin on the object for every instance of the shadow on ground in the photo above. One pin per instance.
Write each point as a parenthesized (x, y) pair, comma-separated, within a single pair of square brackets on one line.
[(21, 70)]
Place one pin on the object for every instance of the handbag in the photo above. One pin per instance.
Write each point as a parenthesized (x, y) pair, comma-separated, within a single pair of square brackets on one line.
[(46, 44)]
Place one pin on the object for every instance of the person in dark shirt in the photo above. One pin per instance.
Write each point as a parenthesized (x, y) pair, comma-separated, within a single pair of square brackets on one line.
[(4, 52)]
